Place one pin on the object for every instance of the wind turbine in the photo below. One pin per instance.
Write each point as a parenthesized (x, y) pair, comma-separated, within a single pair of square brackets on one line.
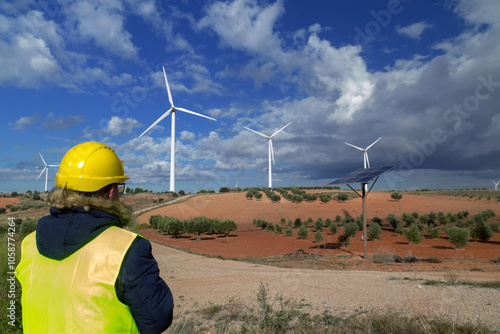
[(496, 184), (172, 111), (271, 150), (46, 170), (365, 154)]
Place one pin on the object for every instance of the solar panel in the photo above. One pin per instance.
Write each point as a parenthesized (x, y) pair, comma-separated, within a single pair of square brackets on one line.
[(363, 175)]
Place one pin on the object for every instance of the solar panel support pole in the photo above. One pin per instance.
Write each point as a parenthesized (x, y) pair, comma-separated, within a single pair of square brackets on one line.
[(364, 193), (364, 186)]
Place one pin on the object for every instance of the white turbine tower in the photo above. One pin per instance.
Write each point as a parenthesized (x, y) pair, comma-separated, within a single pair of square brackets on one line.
[(496, 184), (46, 170), (365, 154), (172, 111), (271, 150)]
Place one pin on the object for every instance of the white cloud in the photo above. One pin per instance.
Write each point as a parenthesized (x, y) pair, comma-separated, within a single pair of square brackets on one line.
[(479, 11), (102, 22), (26, 122), (26, 50), (414, 30), (244, 25), (121, 127), (187, 135)]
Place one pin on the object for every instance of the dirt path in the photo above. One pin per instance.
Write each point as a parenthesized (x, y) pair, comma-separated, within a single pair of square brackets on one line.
[(198, 281)]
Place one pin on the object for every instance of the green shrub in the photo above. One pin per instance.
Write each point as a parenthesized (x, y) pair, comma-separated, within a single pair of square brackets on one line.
[(325, 198), (258, 195), (318, 236), (303, 232), (172, 226), (318, 226), (481, 231), (3, 210), (396, 196), (328, 222), (399, 228), (409, 219), (27, 227), (223, 227), (377, 220), (374, 231), (424, 219), (338, 219), (495, 227), (434, 232), (342, 197), (297, 223), (279, 229), (432, 215), (275, 197), (249, 194), (283, 220), (333, 228), (392, 220), (289, 232), (154, 220), (350, 229), (413, 234), (270, 227), (459, 237)]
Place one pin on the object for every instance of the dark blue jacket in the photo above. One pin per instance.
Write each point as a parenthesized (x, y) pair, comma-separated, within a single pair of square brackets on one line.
[(138, 285)]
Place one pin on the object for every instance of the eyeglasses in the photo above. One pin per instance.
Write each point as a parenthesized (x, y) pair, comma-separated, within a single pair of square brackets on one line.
[(121, 188)]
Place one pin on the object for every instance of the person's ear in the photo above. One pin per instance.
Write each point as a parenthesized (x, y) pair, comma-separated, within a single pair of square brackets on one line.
[(113, 192)]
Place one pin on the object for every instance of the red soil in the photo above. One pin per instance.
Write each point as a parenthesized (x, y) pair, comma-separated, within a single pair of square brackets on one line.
[(251, 241), (7, 201)]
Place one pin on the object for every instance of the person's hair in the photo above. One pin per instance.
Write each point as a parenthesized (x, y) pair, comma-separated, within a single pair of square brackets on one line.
[(63, 198)]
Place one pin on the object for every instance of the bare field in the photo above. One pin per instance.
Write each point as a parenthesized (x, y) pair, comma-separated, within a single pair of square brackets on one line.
[(250, 241)]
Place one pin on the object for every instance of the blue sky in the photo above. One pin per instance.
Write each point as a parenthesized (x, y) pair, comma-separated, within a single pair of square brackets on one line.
[(424, 76)]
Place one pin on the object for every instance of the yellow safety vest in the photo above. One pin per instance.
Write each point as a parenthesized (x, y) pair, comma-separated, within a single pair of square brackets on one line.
[(77, 294)]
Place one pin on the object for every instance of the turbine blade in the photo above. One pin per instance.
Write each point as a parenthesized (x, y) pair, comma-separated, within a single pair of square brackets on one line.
[(168, 88), (280, 129), (42, 159), (157, 121), (359, 148), (374, 143), (195, 113), (43, 170), (52, 165), (272, 149), (260, 134), (367, 160)]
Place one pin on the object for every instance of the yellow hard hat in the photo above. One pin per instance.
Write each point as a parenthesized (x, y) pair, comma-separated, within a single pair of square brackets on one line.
[(89, 167)]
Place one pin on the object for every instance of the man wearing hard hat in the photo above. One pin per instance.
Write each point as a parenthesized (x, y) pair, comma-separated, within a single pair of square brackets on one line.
[(81, 271)]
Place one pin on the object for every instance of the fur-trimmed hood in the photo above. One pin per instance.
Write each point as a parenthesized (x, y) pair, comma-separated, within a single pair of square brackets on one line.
[(75, 220), (67, 199)]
